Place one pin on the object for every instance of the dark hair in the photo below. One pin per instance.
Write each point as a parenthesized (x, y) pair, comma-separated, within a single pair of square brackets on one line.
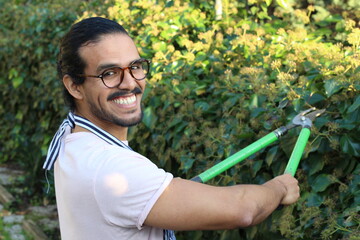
[(80, 34)]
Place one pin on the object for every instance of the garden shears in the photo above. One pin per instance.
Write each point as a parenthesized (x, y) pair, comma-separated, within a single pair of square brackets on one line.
[(303, 119)]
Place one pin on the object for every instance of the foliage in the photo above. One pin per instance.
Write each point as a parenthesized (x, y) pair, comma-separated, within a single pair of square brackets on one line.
[(217, 85), (4, 235), (32, 105), (5, 228)]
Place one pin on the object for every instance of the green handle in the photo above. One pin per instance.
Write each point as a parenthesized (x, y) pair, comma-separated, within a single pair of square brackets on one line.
[(236, 158), (297, 152)]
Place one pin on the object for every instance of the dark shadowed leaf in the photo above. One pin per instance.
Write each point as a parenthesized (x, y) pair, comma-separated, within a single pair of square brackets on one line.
[(350, 146), (270, 156), (355, 105), (321, 182), (149, 118), (314, 200), (332, 86)]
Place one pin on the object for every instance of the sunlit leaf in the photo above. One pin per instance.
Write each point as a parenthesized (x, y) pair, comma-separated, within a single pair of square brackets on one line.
[(268, 2), (254, 101), (283, 3), (17, 81)]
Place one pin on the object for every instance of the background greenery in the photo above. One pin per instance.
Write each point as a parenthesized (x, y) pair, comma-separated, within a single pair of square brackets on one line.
[(219, 82)]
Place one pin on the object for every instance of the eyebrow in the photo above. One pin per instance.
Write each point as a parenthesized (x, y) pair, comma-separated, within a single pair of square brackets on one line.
[(111, 65), (105, 66)]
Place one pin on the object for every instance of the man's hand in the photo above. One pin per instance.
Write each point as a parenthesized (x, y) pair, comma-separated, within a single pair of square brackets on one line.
[(289, 185)]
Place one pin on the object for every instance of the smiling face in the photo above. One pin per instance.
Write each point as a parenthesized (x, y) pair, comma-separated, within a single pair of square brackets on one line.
[(106, 107)]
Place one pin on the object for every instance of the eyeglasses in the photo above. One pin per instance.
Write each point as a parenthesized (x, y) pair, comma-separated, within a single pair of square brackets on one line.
[(113, 77)]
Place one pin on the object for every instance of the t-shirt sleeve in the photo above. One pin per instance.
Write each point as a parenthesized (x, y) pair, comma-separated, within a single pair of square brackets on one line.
[(126, 187)]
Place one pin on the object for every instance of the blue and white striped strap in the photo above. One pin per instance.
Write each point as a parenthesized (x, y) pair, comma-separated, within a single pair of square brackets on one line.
[(71, 121), (107, 137), (169, 235), (55, 144)]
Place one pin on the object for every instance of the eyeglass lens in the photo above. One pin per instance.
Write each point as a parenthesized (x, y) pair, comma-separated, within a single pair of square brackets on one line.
[(113, 77)]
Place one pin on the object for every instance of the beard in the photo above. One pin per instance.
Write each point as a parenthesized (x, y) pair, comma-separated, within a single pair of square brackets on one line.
[(107, 116)]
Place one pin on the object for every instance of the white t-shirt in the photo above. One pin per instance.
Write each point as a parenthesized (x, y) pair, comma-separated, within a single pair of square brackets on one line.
[(105, 191)]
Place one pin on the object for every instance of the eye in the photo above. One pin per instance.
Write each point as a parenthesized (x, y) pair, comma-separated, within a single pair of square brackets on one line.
[(110, 73), (136, 66)]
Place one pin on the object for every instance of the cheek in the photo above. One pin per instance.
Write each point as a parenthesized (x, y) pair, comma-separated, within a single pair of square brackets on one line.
[(96, 95), (142, 84)]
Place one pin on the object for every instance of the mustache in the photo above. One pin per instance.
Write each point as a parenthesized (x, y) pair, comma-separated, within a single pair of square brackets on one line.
[(120, 93)]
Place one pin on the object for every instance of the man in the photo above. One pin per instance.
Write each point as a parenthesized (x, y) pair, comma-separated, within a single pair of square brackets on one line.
[(104, 189)]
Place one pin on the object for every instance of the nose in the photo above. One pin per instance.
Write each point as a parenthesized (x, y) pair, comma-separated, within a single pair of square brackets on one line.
[(128, 82)]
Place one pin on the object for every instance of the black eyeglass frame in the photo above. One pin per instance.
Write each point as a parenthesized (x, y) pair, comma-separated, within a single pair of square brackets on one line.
[(123, 69)]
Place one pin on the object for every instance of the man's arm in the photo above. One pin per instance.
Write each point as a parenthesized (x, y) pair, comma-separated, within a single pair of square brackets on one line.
[(187, 205)]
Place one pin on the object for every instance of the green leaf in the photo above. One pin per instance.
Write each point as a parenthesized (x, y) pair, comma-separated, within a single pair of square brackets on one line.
[(315, 145), (254, 10), (322, 32), (344, 123), (355, 105), (254, 102), (283, 103), (321, 182), (348, 145), (287, 144), (17, 81), (268, 2), (19, 115), (149, 118), (332, 86), (270, 155), (314, 200), (256, 165), (204, 106), (283, 3), (186, 163), (174, 122), (257, 112), (298, 104), (13, 73), (315, 98), (315, 164), (201, 56), (263, 15), (180, 127), (233, 100)]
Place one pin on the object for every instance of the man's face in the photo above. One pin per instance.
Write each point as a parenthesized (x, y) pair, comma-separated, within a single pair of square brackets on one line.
[(107, 107)]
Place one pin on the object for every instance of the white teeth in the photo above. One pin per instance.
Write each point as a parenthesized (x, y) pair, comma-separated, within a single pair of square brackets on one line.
[(128, 100)]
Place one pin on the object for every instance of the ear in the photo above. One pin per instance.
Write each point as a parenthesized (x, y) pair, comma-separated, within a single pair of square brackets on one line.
[(73, 89)]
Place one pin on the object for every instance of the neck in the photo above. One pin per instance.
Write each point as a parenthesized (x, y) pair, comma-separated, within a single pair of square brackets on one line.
[(115, 130)]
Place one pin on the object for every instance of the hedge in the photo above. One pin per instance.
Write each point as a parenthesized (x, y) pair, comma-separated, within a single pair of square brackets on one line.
[(219, 82)]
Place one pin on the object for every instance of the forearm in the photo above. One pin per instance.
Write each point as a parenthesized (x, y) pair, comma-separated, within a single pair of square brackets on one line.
[(259, 201), (187, 205)]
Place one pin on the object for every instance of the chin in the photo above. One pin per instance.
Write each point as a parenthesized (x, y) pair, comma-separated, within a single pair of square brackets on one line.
[(128, 122)]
